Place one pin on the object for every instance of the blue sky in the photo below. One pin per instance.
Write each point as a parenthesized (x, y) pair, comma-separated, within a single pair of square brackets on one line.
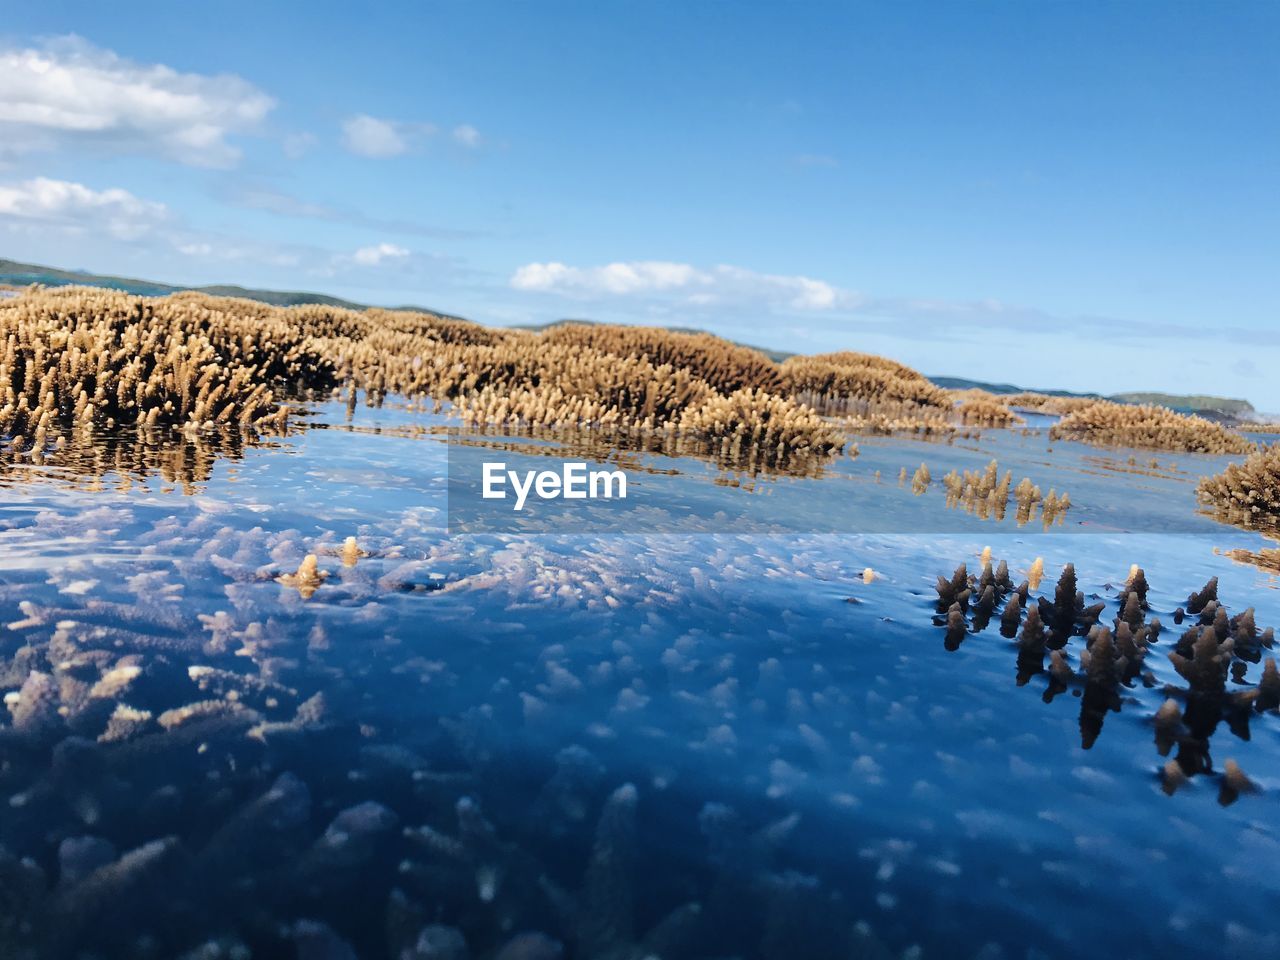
[(1056, 194)]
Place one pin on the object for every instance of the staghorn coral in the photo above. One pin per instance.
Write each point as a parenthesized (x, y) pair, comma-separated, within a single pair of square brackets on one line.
[(834, 378), (985, 494), (724, 365), (1114, 658), (1247, 494), (921, 480), (1253, 426), (985, 410), (1036, 573), (753, 418), (79, 906), (84, 362), (1107, 424), (864, 416), (351, 552), (76, 360), (1046, 403)]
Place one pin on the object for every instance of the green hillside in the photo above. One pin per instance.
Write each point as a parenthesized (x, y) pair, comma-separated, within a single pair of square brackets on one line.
[(21, 274)]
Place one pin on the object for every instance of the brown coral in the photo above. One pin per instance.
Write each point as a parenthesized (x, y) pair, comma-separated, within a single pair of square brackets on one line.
[(1247, 494), (1105, 423)]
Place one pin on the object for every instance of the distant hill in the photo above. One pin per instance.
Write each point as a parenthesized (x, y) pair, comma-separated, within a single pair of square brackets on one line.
[(1195, 403), (1217, 408), (959, 383), (21, 274)]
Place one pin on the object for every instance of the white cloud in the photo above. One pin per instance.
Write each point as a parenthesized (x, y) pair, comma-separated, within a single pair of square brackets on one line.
[(373, 137), (699, 287), (376, 254), (75, 206), (212, 248), (466, 135), (72, 89), (283, 204), (369, 136)]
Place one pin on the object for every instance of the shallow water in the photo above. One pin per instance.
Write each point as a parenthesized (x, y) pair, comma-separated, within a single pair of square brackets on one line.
[(683, 744)]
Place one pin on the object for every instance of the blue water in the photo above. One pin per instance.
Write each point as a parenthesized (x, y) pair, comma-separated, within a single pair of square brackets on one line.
[(677, 744)]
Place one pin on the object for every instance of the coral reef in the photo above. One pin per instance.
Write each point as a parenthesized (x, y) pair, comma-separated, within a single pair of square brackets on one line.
[(985, 494), (830, 379), (1247, 494), (984, 409), (1107, 424), (726, 366), (76, 360), (1214, 651), (1046, 403), (872, 394), (80, 361)]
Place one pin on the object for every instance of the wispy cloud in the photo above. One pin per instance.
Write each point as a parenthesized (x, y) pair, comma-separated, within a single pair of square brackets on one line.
[(368, 136), (74, 206), (378, 253), (69, 90), (378, 138), (467, 135), (258, 196), (283, 204), (298, 145), (681, 282)]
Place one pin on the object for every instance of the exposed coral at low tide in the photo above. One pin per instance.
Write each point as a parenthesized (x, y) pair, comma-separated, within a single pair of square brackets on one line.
[(1247, 494), (1212, 653), (873, 394), (1105, 423), (984, 409), (1046, 403), (986, 494), (85, 360), (834, 377), (76, 360), (725, 366)]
